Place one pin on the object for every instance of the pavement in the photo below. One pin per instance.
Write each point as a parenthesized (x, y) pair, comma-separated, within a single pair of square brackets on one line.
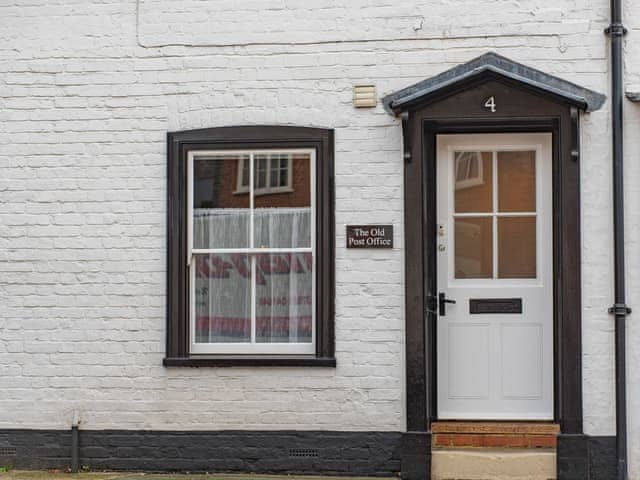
[(60, 475)]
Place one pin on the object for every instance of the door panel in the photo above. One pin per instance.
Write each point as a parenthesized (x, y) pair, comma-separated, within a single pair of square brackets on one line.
[(468, 358), (521, 360), (495, 360)]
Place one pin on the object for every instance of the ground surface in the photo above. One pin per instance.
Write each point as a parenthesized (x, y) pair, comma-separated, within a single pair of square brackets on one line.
[(44, 475)]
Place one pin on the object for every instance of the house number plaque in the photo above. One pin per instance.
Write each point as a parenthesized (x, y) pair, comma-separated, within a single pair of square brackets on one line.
[(369, 236)]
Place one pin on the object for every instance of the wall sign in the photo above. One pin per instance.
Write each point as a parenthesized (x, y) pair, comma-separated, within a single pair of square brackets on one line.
[(369, 236)]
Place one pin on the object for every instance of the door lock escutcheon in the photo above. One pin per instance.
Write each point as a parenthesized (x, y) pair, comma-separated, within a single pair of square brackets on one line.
[(442, 301)]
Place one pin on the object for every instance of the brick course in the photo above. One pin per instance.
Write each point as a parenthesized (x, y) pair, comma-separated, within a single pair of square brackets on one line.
[(494, 434), (442, 440)]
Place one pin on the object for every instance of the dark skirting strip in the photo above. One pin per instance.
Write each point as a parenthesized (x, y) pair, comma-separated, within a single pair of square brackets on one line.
[(584, 457), (296, 452)]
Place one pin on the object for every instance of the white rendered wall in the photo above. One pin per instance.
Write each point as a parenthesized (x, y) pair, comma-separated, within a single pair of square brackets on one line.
[(632, 219), (87, 93)]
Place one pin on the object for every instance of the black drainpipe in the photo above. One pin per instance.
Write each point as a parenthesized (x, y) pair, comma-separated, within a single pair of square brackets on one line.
[(75, 462), (619, 309)]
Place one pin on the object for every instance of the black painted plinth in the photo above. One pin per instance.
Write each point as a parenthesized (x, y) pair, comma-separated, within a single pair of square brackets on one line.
[(295, 452), (416, 456), (584, 457), (37, 449)]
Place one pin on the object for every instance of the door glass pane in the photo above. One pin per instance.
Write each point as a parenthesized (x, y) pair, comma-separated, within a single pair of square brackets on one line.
[(282, 219), (474, 247), (517, 181), (284, 298), (220, 210), (222, 298), (517, 247), (473, 182)]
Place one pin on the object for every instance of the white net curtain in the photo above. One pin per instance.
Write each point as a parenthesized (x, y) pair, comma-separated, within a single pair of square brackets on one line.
[(283, 227), (283, 280)]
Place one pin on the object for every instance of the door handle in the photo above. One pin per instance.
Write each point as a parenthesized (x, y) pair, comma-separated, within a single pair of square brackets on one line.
[(442, 300)]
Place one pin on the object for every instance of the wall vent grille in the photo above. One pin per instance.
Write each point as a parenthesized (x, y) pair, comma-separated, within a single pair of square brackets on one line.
[(303, 452), (7, 451)]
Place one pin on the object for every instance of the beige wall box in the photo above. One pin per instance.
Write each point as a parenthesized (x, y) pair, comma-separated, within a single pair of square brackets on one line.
[(364, 96)]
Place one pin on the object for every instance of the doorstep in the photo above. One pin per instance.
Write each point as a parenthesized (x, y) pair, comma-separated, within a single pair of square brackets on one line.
[(493, 464), (494, 435)]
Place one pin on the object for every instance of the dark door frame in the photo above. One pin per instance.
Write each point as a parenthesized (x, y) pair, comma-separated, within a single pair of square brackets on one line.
[(420, 242), (431, 130)]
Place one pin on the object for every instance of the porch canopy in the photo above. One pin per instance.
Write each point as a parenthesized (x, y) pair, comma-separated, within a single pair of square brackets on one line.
[(483, 68)]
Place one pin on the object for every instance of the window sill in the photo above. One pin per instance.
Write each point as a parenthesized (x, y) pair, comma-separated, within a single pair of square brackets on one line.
[(249, 361)]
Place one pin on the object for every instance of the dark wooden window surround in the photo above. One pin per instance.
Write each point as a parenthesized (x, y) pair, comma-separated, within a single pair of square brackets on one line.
[(238, 138)]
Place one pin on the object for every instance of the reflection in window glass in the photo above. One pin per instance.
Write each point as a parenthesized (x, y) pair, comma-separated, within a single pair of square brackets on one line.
[(517, 247), (284, 298), (222, 298), (272, 172), (279, 169), (473, 182), (283, 219), (260, 180), (256, 296), (244, 182), (482, 214), (474, 247), (517, 181), (220, 215)]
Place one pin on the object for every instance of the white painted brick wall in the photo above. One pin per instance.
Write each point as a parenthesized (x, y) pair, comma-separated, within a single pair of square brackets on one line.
[(87, 94)]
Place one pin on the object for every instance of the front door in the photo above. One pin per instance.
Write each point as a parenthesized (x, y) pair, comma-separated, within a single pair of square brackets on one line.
[(495, 261)]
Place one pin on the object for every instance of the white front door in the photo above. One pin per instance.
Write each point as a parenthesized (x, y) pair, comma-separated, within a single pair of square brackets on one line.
[(495, 260)]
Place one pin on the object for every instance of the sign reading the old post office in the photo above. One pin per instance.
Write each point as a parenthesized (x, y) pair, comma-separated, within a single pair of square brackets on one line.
[(369, 236)]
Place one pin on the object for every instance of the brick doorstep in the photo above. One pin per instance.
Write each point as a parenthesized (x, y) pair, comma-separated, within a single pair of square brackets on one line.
[(495, 434), (490, 440)]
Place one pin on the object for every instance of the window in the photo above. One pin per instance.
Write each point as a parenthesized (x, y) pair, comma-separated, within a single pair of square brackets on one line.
[(273, 173), (469, 169), (250, 248), (251, 255), (495, 215)]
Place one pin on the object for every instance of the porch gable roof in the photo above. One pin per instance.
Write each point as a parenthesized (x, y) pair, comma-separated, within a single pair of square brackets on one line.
[(492, 65)]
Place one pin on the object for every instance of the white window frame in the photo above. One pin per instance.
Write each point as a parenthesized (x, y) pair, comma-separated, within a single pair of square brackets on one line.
[(279, 348), (495, 214), (267, 189)]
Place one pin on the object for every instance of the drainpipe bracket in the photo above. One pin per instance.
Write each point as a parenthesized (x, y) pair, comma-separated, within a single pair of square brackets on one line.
[(616, 30), (619, 309)]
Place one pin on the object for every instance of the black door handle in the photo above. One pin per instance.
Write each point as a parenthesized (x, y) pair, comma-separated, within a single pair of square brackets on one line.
[(442, 300)]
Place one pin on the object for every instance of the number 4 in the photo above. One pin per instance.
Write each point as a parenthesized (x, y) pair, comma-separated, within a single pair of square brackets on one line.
[(491, 103)]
